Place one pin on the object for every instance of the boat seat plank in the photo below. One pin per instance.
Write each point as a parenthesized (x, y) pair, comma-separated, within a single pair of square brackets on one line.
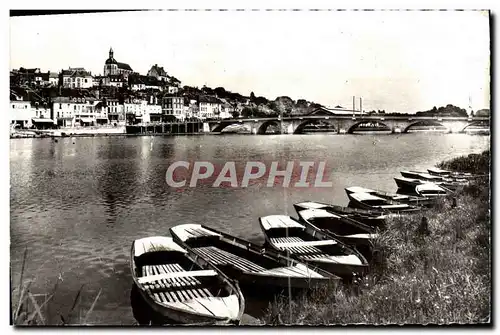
[(306, 243), (241, 260), (190, 282), (156, 278), (220, 257)]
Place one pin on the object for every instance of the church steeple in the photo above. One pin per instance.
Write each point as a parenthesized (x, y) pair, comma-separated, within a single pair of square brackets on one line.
[(111, 53)]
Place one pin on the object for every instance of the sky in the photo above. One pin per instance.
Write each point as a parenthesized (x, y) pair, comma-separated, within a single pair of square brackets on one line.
[(399, 61)]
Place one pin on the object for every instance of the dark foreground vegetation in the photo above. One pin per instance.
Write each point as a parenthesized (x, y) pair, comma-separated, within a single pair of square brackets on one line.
[(438, 275)]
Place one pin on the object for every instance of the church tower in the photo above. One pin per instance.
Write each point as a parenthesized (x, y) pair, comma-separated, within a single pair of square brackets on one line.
[(111, 65)]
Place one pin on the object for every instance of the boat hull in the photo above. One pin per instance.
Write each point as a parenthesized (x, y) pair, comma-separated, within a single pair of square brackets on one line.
[(181, 315), (372, 219), (268, 281), (343, 270)]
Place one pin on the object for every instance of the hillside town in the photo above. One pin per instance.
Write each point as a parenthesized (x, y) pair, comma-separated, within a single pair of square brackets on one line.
[(75, 97)]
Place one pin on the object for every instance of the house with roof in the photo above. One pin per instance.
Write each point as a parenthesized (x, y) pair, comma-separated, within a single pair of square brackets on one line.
[(174, 105), (209, 107), (53, 79), (20, 111), (76, 77), (158, 72), (29, 76), (113, 67), (78, 111)]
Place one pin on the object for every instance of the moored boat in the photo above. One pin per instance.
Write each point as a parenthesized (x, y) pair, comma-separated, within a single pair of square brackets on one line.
[(249, 263), (431, 190), (401, 198), (176, 285), (347, 230), (370, 218), (452, 174), (448, 182), (369, 201), (309, 244), (421, 176)]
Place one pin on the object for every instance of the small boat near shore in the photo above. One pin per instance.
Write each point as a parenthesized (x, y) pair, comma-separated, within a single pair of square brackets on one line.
[(401, 198), (369, 201), (248, 263), (370, 218), (453, 174), (176, 285), (407, 181), (431, 190), (424, 176), (347, 230), (309, 244)]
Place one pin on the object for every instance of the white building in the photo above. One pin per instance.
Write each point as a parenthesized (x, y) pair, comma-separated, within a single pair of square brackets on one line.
[(209, 107), (77, 78), (226, 111), (21, 113), (115, 111), (71, 112), (172, 89), (152, 112), (53, 79), (174, 105)]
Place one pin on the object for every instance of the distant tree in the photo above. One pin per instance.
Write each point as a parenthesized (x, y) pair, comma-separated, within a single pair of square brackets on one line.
[(273, 106), (261, 101), (221, 92), (301, 103), (252, 96)]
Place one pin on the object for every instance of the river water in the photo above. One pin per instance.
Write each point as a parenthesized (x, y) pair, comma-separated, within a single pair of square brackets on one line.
[(78, 203)]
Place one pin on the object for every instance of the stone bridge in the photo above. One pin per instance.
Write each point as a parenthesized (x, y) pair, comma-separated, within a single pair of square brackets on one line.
[(348, 123)]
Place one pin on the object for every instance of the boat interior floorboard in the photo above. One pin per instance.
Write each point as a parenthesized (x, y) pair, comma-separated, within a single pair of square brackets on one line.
[(173, 289), (222, 257)]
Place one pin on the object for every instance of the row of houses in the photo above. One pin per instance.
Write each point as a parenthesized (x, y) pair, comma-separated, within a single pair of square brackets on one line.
[(89, 111), (116, 74)]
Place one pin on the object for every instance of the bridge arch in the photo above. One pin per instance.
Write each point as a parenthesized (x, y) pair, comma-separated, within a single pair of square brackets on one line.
[(263, 127), (484, 123), (300, 128), (427, 123), (220, 126), (356, 125)]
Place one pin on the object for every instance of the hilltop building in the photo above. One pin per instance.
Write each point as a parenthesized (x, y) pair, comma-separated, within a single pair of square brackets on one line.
[(112, 67), (76, 77)]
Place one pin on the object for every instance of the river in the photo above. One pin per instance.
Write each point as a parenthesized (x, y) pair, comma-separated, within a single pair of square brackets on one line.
[(78, 203)]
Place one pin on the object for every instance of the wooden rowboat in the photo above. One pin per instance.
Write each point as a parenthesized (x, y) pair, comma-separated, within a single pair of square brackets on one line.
[(347, 230), (369, 201), (370, 218), (311, 245), (448, 182), (174, 284), (401, 198), (248, 263), (431, 190), (454, 174)]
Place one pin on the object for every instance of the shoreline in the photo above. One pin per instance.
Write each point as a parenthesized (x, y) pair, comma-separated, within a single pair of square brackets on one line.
[(439, 277), (20, 136)]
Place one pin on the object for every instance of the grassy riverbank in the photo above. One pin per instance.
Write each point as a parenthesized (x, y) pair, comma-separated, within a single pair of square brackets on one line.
[(439, 278)]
